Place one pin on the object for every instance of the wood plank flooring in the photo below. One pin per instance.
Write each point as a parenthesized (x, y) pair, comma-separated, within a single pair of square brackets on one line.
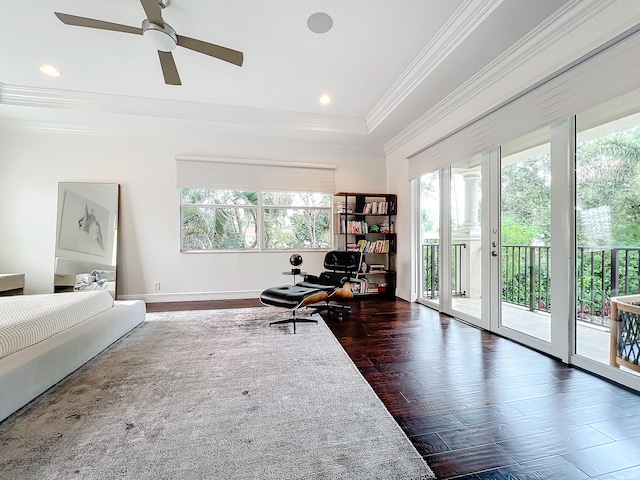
[(478, 406)]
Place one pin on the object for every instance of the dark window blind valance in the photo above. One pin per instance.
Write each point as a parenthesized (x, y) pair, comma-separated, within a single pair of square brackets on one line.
[(610, 73), (254, 175)]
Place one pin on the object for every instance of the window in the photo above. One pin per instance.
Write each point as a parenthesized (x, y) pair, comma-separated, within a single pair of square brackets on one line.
[(296, 220), (430, 235), (214, 220), (219, 219), (607, 221)]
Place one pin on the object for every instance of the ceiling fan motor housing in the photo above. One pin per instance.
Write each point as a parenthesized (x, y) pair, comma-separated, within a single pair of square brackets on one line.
[(163, 38)]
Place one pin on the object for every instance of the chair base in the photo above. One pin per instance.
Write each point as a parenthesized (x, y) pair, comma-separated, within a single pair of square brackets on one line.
[(295, 320), (337, 310)]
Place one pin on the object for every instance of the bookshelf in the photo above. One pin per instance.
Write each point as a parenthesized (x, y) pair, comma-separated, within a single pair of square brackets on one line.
[(365, 222)]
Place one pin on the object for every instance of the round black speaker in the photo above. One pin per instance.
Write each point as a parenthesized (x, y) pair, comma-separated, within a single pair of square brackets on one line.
[(296, 260)]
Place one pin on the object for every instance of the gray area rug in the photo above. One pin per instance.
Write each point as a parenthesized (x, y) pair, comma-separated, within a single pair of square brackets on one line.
[(214, 394)]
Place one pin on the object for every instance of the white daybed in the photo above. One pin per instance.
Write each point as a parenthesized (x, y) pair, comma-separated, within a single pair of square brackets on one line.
[(43, 338)]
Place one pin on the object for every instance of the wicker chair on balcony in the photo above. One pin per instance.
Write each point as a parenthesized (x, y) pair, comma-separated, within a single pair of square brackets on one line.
[(624, 350)]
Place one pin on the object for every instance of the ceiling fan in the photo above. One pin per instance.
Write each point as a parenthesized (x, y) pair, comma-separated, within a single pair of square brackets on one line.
[(161, 36)]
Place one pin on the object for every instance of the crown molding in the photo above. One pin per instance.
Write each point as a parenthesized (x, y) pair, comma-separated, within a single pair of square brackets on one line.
[(161, 108), (567, 19), (315, 144), (469, 15)]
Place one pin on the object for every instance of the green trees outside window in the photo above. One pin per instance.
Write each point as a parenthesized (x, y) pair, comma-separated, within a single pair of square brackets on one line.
[(214, 220), (607, 198), (607, 224)]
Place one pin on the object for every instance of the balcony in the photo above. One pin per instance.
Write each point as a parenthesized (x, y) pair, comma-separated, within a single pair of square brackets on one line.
[(601, 273)]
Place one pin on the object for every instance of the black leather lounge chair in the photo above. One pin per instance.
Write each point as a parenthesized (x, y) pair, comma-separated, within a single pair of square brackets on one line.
[(342, 266)]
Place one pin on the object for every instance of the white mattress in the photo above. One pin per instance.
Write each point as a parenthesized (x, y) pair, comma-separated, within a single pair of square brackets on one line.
[(28, 319)]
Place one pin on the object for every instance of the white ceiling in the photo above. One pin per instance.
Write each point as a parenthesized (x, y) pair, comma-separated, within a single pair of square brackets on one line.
[(385, 63)]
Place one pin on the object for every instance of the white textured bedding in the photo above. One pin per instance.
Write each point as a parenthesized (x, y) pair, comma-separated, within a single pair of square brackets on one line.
[(28, 319), (96, 280)]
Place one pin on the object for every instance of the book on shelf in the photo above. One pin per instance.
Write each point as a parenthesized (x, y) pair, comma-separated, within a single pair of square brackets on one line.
[(374, 246), (357, 227), (354, 227), (342, 207), (376, 267), (365, 286), (376, 208), (352, 247)]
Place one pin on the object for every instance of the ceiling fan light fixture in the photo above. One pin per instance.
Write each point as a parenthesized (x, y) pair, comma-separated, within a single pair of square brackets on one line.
[(325, 99), (50, 70), (162, 38)]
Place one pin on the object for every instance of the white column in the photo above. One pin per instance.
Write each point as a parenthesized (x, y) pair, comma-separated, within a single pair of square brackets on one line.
[(471, 182), (470, 235)]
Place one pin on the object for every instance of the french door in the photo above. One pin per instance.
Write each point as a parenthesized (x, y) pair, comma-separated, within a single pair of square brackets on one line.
[(534, 239), (451, 246), (607, 248), (531, 212), (494, 238)]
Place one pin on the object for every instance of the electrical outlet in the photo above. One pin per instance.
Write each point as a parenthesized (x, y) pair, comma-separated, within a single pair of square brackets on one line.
[(156, 285)]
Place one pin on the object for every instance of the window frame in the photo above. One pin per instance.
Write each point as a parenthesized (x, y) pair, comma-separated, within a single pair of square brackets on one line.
[(260, 208)]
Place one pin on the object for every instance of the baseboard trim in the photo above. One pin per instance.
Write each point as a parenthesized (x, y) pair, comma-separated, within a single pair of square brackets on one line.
[(192, 296)]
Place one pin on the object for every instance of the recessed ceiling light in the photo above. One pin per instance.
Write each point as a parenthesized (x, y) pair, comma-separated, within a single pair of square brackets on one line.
[(324, 99), (49, 70), (320, 22)]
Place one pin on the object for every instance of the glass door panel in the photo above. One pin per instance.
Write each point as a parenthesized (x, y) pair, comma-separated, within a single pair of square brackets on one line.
[(466, 240), (430, 237), (525, 220), (607, 220)]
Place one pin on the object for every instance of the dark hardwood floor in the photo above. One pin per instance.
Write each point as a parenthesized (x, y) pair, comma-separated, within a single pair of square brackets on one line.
[(478, 406)]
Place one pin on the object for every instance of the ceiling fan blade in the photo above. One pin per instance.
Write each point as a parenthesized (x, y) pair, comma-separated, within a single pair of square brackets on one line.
[(169, 69), (152, 11), (223, 53), (99, 24)]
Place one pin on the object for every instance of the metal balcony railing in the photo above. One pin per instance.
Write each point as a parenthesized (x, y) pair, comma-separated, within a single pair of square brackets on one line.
[(526, 276), (601, 273), (431, 277)]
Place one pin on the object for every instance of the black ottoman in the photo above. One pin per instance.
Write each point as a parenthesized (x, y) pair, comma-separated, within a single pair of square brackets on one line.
[(292, 297)]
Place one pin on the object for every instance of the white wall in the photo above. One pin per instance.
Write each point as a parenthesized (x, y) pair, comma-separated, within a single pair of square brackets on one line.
[(32, 164), (398, 183)]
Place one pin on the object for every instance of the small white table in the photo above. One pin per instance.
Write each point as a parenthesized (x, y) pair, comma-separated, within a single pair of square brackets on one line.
[(11, 284)]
